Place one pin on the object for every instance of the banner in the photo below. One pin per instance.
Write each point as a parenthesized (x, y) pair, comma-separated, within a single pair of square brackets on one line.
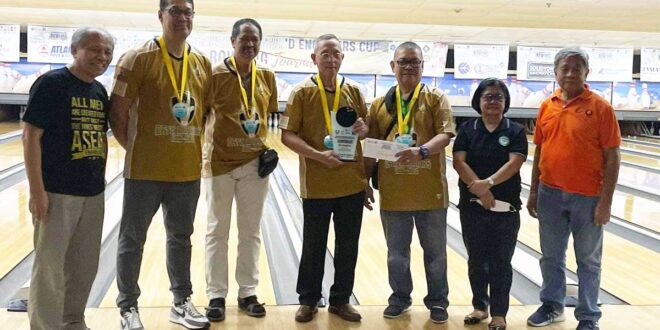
[(48, 44), (481, 61), (282, 54), (609, 64), (650, 65), (536, 63), (10, 41)]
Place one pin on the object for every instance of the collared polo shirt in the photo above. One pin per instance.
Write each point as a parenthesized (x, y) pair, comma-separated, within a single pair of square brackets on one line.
[(572, 137), (487, 152)]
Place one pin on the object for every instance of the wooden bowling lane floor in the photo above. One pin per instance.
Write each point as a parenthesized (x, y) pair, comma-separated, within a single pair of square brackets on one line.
[(620, 256), (635, 159), (10, 126), (282, 317), (11, 153), (154, 281), (642, 147)]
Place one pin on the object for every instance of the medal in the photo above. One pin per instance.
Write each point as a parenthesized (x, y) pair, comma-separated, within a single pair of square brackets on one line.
[(327, 142), (250, 124), (181, 106), (405, 139), (403, 122)]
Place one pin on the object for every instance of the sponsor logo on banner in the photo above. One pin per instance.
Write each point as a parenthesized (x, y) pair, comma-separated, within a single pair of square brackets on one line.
[(540, 70)]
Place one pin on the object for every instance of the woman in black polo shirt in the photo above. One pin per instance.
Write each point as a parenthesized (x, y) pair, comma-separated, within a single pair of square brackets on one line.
[(488, 153)]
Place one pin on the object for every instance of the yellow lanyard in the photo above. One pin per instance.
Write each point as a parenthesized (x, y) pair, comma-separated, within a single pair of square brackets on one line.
[(403, 123), (248, 109), (170, 69), (324, 101)]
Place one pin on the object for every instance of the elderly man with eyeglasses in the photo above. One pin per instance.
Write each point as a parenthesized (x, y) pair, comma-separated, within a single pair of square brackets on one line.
[(158, 106), (413, 190)]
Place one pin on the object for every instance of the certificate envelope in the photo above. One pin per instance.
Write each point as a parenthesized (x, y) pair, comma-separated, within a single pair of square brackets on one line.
[(381, 149)]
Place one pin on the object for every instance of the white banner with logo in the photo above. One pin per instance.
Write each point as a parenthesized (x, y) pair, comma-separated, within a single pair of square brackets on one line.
[(535, 63), (481, 61), (283, 54), (650, 65), (610, 64), (48, 44), (10, 42)]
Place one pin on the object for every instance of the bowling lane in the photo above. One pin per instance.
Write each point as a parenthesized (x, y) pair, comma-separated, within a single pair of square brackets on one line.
[(16, 221), (635, 159), (154, 281), (371, 280), (620, 256), (641, 147), (10, 126), (11, 153), (646, 139)]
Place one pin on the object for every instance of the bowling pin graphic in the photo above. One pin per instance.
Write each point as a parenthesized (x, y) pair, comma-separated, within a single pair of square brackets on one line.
[(646, 97), (631, 101), (473, 88), (534, 100)]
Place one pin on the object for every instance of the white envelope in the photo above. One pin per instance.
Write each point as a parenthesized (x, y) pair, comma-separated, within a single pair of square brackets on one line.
[(381, 149)]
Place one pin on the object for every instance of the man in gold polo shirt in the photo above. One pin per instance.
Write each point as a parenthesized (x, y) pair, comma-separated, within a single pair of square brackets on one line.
[(235, 136), (413, 190), (157, 108), (328, 185)]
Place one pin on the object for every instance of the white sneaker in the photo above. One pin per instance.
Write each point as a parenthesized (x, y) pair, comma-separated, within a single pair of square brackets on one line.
[(131, 320), (187, 315)]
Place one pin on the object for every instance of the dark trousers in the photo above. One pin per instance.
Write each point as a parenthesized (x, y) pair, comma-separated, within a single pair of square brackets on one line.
[(141, 201), (490, 239), (347, 218)]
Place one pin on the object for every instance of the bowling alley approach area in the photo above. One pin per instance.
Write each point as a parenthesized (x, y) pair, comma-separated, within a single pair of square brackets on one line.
[(167, 91), (629, 292)]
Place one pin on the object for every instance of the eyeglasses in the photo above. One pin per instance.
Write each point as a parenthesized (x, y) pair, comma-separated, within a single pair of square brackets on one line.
[(403, 62), (176, 12), (492, 97)]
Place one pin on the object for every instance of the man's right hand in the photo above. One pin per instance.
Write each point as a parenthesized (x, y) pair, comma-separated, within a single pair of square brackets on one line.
[(369, 198), (531, 204), (329, 158), (39, 205)]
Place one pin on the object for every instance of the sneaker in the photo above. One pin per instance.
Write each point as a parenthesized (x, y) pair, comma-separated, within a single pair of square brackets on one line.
[(216, 310), (545, 315), (439, 314), (588, 325), (131, 320), (251, 306), (187, 315), (394, 311)]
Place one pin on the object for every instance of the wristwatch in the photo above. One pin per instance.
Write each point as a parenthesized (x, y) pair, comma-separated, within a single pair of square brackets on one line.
[(424, 151), (490, 181)]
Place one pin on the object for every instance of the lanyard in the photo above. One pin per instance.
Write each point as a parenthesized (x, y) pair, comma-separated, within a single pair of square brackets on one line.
[(248, 109), (399, 111), (170, 69), (324, 101)]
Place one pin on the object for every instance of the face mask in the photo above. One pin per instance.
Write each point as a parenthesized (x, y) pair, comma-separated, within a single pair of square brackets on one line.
[(500, 206)]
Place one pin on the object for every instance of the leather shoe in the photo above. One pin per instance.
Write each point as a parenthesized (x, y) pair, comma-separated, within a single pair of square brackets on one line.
[(306, 313), (346, 312)]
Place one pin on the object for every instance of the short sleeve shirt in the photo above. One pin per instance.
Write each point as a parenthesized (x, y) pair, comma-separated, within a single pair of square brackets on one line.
[(160, 147), (304, 117), (227, 144), (572, 137), (73, 116), (421, 185), (487, 152)]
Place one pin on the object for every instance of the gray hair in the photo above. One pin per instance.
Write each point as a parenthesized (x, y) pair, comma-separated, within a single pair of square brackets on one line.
[(572, 51), (409, 45), (82, 33)]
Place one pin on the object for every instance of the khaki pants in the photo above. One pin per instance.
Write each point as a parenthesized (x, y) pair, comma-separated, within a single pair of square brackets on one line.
[(249, 190), (66, 261)]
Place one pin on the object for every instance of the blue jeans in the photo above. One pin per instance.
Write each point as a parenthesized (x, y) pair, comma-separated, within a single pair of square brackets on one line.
[(560, 215), (432, 232)]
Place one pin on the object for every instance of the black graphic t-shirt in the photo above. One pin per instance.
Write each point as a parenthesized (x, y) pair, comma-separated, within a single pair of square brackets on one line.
[(73, 115)]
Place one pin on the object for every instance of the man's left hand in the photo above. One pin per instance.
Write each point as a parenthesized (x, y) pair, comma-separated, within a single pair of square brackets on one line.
[(361, 128), (408, 155), (602, 213)]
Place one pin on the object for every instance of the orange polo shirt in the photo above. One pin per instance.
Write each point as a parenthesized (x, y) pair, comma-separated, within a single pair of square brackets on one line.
[(572, 137)]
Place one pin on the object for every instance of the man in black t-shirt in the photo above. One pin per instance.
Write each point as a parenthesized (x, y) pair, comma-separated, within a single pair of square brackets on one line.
[(65, 147)]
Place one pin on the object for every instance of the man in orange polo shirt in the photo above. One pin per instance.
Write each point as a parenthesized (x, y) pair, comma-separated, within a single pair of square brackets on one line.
[(576, 165)]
